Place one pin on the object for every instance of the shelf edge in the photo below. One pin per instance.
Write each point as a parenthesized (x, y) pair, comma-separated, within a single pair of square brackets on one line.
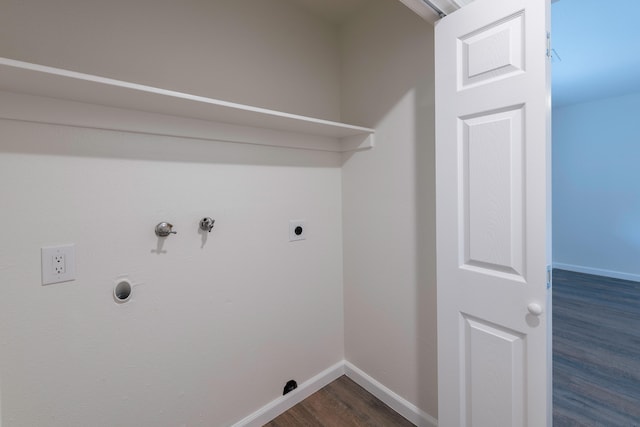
[(41, 80)]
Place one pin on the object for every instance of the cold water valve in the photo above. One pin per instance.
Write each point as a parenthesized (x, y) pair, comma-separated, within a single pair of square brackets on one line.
[(206, 224)]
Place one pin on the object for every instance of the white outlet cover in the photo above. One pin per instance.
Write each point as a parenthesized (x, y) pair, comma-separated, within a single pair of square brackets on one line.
[(293, 226), (58, 264)]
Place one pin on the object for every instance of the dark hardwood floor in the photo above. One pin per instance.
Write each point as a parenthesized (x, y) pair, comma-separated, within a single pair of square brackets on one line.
[(596, 351), (342, 403)]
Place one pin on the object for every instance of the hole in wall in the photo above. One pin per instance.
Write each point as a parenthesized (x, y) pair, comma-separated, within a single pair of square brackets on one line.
[(122, 291), (289, 387)]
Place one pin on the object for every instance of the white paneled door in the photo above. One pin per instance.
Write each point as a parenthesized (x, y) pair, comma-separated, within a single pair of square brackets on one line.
[(493, 215)]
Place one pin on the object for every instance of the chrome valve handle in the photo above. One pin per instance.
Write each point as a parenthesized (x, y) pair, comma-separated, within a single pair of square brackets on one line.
[(206, 224), (163, 229)]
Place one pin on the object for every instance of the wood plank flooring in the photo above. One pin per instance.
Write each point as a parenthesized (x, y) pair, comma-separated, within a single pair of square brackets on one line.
[(596, 351), (343, 403)]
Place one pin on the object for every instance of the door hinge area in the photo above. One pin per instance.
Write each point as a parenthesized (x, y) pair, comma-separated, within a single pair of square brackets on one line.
[(548, 44), (549, 276)]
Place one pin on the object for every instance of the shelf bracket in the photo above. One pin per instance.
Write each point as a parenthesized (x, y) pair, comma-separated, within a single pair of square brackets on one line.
[(357, 143)]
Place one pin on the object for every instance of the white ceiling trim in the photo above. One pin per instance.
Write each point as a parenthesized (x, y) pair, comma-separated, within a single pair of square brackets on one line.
[(420, 8), (448, 6), (428, 13)]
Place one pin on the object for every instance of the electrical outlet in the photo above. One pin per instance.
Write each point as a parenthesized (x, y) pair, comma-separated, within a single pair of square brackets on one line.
[(297, 230), (58, 264)]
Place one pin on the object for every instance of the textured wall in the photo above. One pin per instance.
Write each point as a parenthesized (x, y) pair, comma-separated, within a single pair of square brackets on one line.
[(596, 196), (388, 202), (214, 328), (267, 53)]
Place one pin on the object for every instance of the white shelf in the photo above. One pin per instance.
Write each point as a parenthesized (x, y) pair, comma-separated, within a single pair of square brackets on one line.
[(22, 78)]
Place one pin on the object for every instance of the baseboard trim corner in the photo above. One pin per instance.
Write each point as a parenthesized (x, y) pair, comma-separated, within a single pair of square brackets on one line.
[(284, 403), (396, 402)]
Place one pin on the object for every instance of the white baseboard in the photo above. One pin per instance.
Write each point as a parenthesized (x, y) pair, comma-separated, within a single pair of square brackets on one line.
[(402, 406), (283, 403), (597, 271), (306, 389)]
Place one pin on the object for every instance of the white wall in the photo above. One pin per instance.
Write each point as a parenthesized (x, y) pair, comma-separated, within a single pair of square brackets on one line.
[(267, 53), (388, 202), (596, 197), (215, 328)]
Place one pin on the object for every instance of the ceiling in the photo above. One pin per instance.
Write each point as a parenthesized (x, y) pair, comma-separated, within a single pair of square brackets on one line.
[(598, 50)]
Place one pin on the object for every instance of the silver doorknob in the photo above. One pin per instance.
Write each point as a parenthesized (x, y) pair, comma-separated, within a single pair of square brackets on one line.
[(535, 308), (163, 229)]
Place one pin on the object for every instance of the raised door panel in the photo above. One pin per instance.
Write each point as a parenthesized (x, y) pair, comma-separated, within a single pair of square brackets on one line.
[(494, 52), (491, 169), (494, 374)]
